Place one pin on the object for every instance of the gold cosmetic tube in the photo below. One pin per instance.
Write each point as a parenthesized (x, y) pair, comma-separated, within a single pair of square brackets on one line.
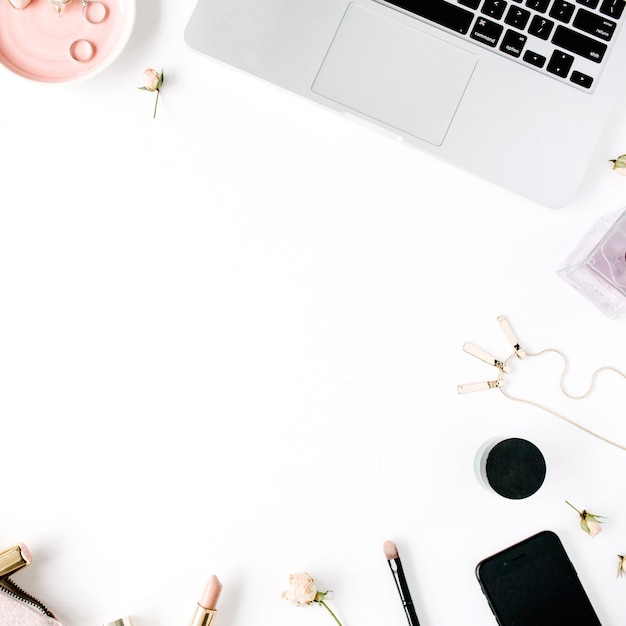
[(203, 617), (14, 558), (206, 609)]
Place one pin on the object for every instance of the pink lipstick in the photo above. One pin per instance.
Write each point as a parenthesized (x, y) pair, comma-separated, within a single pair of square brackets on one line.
[(206, 610)]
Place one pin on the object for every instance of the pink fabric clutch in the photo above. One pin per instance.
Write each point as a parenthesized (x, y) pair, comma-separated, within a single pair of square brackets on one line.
[(14, 612), (17, 607)]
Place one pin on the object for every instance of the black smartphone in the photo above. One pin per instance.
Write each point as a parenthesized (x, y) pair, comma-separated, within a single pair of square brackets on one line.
[(533, 583)]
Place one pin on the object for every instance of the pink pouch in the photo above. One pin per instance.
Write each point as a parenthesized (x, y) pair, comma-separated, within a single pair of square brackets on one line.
[(14, 612), (18, 608)]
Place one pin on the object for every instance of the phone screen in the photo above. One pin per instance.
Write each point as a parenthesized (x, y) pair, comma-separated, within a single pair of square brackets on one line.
[(533, 583)]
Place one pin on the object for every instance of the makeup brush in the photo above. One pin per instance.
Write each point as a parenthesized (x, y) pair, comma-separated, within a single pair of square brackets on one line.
[(395, 565)]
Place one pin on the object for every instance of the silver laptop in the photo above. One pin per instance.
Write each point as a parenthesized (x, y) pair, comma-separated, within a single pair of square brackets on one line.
[(515, 91)]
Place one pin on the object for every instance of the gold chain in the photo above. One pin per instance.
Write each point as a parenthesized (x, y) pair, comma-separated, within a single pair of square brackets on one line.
[(565, 393)]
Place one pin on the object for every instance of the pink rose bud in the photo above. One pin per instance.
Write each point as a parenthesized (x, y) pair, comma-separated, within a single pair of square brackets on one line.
[(592, 526), (151, 80), (301, 591), (589, 522), (619, 164)]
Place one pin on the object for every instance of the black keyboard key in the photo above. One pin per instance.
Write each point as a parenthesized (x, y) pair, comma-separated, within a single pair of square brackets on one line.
[(487, 32), (541, 27), (538, 5), (581, 79), (592, 4), (563, 11), (470, 4), (518, 18), (534, 59), (560, 63), (440, 12), (578, 43), (612, 8), (494, 8), (513, 43), (594, 24)]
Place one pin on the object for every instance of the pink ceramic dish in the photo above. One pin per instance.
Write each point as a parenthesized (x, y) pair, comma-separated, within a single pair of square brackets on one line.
[(38, 44)]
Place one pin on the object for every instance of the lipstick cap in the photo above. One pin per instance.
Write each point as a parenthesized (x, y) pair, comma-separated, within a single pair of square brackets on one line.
[(124, 621), (14, 558)]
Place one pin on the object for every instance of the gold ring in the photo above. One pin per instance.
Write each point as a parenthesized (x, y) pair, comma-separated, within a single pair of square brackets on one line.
[(93, 11), (81, 50)]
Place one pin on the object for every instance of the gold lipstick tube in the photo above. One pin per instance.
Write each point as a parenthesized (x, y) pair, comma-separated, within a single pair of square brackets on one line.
[(206, 609), (14, 558), (203, 617)]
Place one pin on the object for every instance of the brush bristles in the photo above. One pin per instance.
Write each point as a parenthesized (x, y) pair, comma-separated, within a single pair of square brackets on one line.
[(391, 550)]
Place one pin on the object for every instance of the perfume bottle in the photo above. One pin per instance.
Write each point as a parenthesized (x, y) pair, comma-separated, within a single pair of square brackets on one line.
[(597, 266)]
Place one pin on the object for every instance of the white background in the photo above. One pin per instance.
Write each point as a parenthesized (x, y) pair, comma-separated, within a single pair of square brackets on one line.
[(230, 341)]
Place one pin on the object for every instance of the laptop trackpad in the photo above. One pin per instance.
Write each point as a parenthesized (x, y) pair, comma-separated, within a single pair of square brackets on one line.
[(395, 74)]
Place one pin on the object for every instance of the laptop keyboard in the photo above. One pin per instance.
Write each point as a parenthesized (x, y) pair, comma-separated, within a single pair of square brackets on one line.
[(566, 40)]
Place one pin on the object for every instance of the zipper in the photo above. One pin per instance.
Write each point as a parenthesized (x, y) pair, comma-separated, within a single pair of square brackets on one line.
[(8, 587)]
